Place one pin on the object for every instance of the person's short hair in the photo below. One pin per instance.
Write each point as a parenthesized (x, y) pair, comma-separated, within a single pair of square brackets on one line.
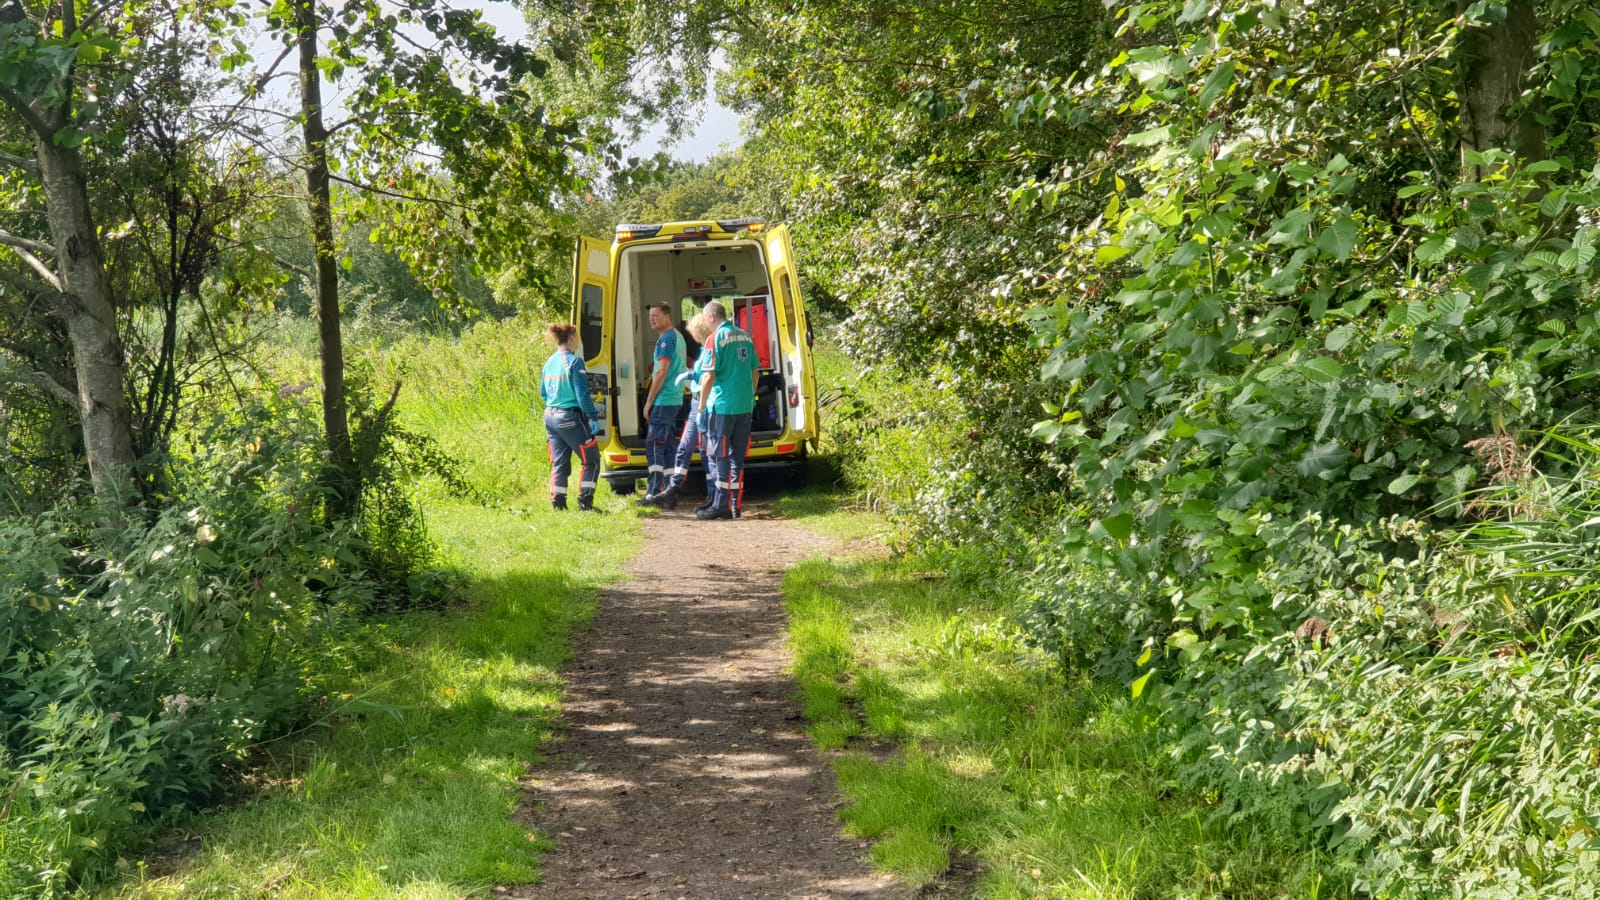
[(664, 308), (715, 312), (561, 332), (699, 328)]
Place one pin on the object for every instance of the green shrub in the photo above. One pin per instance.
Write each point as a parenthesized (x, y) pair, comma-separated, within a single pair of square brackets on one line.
[(139, 657), (1419, 700)]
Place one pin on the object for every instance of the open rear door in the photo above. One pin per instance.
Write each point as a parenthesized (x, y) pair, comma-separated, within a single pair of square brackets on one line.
[(800, 381), (591, 309)]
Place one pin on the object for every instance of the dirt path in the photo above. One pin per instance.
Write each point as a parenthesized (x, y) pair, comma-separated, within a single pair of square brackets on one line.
[(684, 770)]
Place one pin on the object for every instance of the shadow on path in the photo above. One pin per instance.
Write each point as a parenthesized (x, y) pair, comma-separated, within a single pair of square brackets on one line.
[(683, 769)]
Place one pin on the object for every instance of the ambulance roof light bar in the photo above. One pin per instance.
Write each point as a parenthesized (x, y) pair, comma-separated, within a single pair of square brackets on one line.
[(634, 231)]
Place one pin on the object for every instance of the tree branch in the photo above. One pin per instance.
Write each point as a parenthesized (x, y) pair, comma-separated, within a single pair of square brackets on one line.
[(28, 244), (37, 265), (30, 288), (336, 127), (96, 13), (288, 266), (50, 386), (30, 116), (437, 201), (20, 162)]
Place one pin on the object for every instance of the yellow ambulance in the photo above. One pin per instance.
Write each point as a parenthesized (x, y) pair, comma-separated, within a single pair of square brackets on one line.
[(747, 265)]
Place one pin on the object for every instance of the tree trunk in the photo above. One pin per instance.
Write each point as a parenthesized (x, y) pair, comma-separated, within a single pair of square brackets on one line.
[(85, 306), (1494, 61), (335, 419)]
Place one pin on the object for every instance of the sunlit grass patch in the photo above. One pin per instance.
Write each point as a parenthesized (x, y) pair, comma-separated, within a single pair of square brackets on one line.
[(827, 509), (1057, 789)]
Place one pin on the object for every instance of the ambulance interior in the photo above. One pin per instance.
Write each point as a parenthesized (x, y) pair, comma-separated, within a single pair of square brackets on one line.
[(688, 278)]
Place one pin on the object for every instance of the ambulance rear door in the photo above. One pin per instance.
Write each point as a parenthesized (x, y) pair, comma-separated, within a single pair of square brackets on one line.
[(592, 291), (800, 380)]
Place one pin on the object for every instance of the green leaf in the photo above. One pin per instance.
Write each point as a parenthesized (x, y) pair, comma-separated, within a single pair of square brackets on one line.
[(1453, 308), (1197, 515), (1339, 338), (1046, 431), (1324, 369), (1554, 203), (1111, 253), (1339, 239), (1217, 83), (1321, 460), (1403, 483), (1186, 642), (1150, 138), (1139, 683), (1119, 527), (1436, 248)]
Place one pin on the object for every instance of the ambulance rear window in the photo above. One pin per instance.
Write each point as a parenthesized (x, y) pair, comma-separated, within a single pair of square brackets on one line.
[(591, 316)]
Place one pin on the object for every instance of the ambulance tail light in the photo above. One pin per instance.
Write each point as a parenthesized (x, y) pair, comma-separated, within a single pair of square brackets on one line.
[(785, 448), (619, 458), (794, 397), (750, 225)]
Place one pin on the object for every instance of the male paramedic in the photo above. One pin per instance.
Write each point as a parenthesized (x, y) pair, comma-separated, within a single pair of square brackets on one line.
[(662, 406), (727, 396)]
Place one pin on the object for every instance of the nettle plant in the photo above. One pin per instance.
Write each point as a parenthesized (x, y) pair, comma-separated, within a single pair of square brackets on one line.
[(141, 657)]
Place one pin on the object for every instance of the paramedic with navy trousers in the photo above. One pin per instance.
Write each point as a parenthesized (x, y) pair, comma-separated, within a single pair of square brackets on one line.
[(727, 395), (691, 440), (662, 407), (570, 420)]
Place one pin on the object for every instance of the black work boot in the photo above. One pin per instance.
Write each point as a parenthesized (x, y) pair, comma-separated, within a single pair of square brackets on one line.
[(667, 499), (586, 504), (559, 505)]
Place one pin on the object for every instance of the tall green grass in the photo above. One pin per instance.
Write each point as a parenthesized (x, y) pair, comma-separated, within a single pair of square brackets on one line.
[(478, 396), (957, 743)]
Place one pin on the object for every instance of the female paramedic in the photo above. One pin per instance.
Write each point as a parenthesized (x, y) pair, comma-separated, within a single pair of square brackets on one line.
[(570, 420), (692, 439)]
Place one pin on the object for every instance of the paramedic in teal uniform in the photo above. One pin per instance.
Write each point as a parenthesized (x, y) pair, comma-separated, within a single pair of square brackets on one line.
[(727, 395), (662, 406), (570, 419)]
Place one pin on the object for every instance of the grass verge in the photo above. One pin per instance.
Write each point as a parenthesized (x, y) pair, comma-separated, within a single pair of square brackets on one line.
[(1057, 790), (411, 792), (819, 508)]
